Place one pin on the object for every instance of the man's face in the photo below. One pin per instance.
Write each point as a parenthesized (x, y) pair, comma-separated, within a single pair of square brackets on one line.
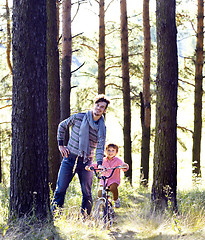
[(99, 108)]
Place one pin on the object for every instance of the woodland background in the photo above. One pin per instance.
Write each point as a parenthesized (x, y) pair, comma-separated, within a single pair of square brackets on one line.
[(84, 80)]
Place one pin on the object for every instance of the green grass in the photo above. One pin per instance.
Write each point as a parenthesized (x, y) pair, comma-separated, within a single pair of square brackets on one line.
[(134, 219)]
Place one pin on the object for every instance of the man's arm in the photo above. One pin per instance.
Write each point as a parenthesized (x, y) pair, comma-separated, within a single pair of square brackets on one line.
[(62, 127), (100, 152)]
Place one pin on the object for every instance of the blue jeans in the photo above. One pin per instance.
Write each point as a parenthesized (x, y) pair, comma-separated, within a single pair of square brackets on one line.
[(65, 176)]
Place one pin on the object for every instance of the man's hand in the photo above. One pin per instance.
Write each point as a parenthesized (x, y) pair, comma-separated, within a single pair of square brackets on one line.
[(64, 151), (87, 168), (103, 168)]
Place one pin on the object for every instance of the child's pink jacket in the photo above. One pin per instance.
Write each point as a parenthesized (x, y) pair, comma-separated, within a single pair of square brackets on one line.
[(110, 163)]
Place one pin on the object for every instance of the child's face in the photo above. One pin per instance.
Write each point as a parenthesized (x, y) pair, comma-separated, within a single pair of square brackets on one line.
[(111, 152)]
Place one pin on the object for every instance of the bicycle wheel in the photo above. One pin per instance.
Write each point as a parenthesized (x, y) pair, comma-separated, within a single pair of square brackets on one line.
[(103, 214), (110, 215), (99, 212)]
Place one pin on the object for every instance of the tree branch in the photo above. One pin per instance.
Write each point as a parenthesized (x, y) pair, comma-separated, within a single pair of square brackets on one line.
[(6, 99), (187, 82), (77, 34), (5, 106), (78, 68), (185, 129), (115, 66), (89, 47), (108, 5)]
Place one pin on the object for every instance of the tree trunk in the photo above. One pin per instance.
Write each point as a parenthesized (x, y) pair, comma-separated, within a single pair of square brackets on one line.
[(126, 89), (29, 191), (145, 101), (101, 56), (0, 156), (8, 44), (58, 17), (196, 154), (165, 148), (53, 92), (66, 59)]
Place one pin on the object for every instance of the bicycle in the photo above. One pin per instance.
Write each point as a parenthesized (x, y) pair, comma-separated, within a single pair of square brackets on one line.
[(103, 210)]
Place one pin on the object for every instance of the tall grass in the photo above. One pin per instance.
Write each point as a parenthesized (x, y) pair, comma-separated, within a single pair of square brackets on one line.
[(133, 220), (4, 206)]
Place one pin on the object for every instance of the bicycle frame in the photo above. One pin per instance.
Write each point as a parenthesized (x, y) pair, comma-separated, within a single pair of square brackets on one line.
[(105, 195)]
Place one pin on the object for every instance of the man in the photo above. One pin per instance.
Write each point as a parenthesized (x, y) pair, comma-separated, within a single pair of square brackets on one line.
[(87, 135)]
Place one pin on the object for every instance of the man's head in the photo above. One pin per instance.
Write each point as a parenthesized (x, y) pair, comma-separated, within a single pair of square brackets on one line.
[(102, 98), (100, 106)]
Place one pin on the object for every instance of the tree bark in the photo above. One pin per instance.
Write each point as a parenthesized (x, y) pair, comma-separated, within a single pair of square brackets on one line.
[(165, 147), (58, 17), (196, 152), (145, 100), (101, 55), (53, 92), (66, 59), (0, 156), (29, 191), (126, 89), (8, 44)]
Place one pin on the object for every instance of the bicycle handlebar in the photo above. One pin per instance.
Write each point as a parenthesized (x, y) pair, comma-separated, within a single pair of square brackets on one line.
[(105, 177)]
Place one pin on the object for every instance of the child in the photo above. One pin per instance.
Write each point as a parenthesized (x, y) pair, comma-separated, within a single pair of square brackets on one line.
[(109, 162)]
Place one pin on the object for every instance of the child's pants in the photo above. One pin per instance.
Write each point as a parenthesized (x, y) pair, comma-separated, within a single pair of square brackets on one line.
[(113, 188)]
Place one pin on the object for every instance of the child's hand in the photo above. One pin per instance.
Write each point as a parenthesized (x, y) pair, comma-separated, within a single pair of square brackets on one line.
[(125, 165)]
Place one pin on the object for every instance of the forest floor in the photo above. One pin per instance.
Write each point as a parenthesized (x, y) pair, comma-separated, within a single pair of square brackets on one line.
[(133, 220)]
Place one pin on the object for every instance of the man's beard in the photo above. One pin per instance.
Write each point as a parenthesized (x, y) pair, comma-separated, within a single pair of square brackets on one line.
[(96, 114)]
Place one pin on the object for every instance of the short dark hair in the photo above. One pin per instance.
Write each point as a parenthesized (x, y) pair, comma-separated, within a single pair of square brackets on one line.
[(102, 98), (113, 146)]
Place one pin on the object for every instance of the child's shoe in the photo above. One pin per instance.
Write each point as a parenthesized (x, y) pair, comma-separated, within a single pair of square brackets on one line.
[(117, 203)]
